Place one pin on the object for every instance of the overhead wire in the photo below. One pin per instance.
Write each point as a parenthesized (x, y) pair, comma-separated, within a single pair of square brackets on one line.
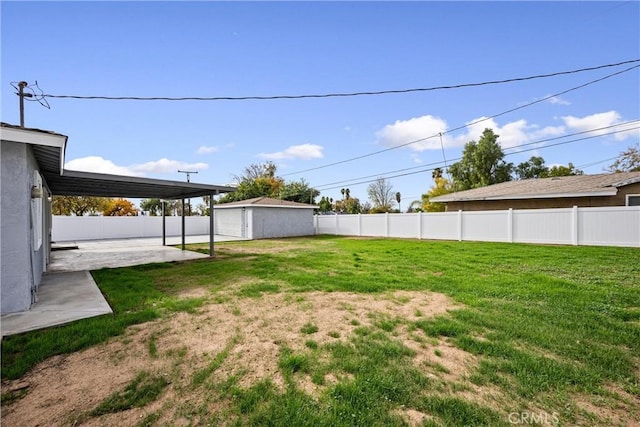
[(430, 169), (345, 94), (329, 186), (31, 94), (511, 110)]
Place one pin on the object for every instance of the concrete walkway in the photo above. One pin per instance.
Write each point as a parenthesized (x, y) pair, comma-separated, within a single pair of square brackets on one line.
[(62, 298), (68, 292)]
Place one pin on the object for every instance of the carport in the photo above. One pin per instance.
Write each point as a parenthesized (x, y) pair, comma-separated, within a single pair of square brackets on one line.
[(76, 183)]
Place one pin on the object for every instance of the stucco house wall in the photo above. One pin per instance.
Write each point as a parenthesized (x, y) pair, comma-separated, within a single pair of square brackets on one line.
[(24, 231)]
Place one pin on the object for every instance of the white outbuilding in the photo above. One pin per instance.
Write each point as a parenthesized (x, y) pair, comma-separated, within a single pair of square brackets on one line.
[(264, 218)]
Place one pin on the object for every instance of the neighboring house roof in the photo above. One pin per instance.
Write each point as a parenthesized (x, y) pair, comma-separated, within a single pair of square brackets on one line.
[(49, 150), (546, 188), (265, 202)]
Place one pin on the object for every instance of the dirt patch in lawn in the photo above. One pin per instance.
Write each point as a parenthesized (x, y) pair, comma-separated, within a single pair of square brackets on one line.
[(240, 339), (268, 247), (615, 407)]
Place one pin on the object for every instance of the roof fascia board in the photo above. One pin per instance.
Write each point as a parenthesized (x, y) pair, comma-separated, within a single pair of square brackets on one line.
[(27, 136), (626, 182), (141, 180), (33, 137), (608, 192), (248, 205)]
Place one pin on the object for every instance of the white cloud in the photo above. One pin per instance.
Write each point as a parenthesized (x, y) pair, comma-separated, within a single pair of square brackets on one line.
[(414, 129), (512, 134), (598, 120), (557, 100), (203, 149), (416, 159), (100, 165), (167, 166), (301, 152)]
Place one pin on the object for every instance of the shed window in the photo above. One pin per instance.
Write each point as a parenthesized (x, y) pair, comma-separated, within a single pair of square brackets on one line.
[(633, 200)]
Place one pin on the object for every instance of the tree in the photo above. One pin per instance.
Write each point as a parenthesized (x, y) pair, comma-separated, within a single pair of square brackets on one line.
[(154, 206), (442, 186), (627, 161), (380, 193), (78, 205), (120, 207), (202, 209), (398, 198), (415, 206), (299, 191), (532, 168), (437, 173), (257, 170), (350, 206), (260, 180), (561, 170), (325, 205), (482, 164)]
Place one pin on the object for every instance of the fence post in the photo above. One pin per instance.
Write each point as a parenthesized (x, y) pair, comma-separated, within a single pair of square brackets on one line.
[(419, 225), (574, 226), (510, 225), (460, 225), (337, 223), (386, 224), (359, 225)]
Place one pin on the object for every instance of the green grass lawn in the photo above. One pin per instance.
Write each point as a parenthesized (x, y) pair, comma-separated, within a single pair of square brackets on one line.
[(547, 324)]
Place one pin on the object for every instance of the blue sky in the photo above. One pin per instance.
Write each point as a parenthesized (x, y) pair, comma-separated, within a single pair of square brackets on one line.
[(234, 49)]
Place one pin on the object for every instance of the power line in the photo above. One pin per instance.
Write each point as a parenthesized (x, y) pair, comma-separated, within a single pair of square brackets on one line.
[(597, 162), (515, 148), (336, 95), (386, 176), (351, 159), (530, 149)]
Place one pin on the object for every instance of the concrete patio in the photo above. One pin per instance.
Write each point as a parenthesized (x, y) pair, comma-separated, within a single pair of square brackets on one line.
[(68, 291)]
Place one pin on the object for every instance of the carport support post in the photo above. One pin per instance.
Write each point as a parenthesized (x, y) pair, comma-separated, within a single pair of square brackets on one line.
[(211, 225), (183, 224), (164, 226)]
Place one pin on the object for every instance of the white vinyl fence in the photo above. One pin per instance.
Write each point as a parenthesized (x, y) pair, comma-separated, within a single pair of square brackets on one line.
[(71, 228), (601, 226)]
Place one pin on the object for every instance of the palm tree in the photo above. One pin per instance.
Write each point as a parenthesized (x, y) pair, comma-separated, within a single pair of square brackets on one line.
[(398, 200), (437, 173)]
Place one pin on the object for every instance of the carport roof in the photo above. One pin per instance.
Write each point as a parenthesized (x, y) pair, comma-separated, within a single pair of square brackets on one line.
[(49, 150)]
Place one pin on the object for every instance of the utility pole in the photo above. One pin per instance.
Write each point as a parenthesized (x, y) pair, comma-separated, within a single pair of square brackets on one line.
[(188, 173), (21, 94)]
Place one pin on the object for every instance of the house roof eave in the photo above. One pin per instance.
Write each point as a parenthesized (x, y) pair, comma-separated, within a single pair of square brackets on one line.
[(602, 193)]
